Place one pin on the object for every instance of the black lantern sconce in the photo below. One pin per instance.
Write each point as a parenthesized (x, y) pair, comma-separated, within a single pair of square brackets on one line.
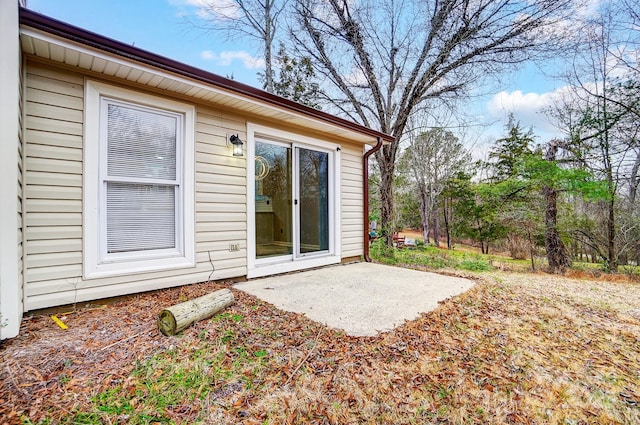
[(235, 141)]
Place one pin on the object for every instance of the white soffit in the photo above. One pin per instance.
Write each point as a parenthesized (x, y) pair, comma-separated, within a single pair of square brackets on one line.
[(47, 46)]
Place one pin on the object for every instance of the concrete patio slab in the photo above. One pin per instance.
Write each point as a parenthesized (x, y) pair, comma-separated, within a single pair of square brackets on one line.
[(362, 299)]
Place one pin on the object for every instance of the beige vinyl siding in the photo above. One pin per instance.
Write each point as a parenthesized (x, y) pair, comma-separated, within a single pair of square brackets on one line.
[(352, 201), (221, 195), (54, 193), (53, 179)]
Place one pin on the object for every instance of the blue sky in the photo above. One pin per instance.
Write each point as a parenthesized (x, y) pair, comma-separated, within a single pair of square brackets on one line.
[(157, 26), (160, 26)]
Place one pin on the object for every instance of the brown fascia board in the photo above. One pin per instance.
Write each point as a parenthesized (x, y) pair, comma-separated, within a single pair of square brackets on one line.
[(61, 29)]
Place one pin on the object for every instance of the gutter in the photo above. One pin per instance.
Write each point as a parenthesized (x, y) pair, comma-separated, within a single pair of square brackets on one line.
[(365, 189)]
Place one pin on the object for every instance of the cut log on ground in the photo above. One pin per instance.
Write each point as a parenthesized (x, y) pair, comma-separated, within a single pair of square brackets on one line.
[(178, 317)]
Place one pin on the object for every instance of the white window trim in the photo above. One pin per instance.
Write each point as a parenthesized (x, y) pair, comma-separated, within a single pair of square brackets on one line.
[(137, 262), (270, 266)]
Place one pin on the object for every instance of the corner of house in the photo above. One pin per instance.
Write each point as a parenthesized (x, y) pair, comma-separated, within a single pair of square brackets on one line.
[(10, 213)]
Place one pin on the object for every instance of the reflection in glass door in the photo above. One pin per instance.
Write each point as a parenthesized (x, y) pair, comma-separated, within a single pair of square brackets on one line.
[(273, 200), (291, 201), (313, 196)]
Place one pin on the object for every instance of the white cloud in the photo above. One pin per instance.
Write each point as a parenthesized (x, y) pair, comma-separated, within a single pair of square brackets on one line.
[(226, 58), (527, 108), (211, 9), (208, 55), (356, 77), (522, 103), (588, 8)]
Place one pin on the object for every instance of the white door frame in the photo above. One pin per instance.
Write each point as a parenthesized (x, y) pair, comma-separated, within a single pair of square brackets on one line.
[(297, 255), (276, 265)]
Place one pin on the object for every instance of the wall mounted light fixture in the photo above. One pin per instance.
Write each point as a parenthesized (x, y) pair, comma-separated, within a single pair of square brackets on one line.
[(234, 140)]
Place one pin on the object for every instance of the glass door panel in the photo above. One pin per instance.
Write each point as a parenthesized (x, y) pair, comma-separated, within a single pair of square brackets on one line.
[(313, 197), (273, 200)]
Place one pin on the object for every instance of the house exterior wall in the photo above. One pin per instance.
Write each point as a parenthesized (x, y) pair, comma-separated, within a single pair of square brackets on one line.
[(352, 201), (54, 197)]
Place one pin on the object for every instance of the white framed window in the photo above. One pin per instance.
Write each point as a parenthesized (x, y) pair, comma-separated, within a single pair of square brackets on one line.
[(138, 182)]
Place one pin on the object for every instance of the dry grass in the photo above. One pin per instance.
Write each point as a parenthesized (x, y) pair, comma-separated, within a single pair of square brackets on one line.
[(517, 348)]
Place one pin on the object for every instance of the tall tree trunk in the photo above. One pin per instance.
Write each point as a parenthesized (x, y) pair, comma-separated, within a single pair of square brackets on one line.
[(531, 250), (612, 260), (634, 180), (557, 254), (424, 215), (445, 214), (385, 158), (268, 69), (386, 206), (268, 44), (611, 236), (436, 224)]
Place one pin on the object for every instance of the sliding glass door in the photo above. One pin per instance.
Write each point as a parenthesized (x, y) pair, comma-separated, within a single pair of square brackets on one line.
[(292, 201), (313, 196), (273, 200)]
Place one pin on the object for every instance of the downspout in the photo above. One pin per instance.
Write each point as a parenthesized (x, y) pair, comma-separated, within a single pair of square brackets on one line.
[(365, 189)]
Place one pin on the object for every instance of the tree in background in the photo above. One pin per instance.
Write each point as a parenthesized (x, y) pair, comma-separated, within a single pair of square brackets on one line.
[(257, 20), (520, 210), (432, 158), (527, 183), (407, 211), (553, 176), (476, 207), (383, 60), (600, 115), (296, 79), (449, 203), (508, 151)]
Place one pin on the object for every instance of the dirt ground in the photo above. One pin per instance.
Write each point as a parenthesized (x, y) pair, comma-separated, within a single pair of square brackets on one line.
[(517, 348), (99, 347)]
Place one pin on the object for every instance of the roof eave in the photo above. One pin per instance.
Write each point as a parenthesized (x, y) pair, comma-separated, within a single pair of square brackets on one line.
[(78, 35)]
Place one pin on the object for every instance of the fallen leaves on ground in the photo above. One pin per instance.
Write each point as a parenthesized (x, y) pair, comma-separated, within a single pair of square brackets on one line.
[(515, 349)]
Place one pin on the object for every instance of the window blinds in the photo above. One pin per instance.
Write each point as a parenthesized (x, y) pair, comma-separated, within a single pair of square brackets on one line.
[(141, 144), (140, 217), (141, 179)]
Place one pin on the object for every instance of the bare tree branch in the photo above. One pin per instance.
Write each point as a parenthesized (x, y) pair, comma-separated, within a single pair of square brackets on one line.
[(385, 59), (253, 19)]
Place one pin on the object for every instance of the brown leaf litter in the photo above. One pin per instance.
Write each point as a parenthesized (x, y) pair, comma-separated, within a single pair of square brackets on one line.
[(516, 349)]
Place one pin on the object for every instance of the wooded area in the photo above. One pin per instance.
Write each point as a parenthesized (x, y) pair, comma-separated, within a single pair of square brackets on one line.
[(573, 197), (408, 68)]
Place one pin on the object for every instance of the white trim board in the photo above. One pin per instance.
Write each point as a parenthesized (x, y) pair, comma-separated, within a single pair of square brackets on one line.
[(11, 303)]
